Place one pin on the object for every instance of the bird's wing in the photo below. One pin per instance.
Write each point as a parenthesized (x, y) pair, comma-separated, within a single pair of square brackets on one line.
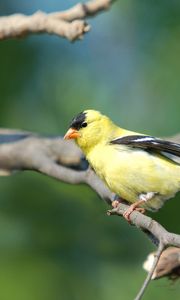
[(149, 143)]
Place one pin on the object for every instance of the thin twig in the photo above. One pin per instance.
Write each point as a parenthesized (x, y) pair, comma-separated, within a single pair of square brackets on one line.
[(149, 276)]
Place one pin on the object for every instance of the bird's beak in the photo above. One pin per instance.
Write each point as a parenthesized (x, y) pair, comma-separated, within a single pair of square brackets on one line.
[(71, 134)]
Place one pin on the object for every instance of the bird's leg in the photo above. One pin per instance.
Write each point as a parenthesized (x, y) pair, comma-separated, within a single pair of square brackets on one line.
[(142, 199)]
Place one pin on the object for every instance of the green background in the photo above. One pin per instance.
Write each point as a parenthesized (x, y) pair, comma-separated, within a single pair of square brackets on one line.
[(56, 241)]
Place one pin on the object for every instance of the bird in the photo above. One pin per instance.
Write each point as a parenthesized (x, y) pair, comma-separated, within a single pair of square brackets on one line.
[(141, 169)]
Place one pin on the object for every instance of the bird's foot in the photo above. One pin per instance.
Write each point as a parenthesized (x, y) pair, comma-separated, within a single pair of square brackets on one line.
[(132, 208), (140, 209), (116, 202)]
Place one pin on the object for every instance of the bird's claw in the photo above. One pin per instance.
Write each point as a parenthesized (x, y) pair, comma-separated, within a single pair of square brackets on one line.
[(132, 208), (140, 209), (127, 214), (115, 203)]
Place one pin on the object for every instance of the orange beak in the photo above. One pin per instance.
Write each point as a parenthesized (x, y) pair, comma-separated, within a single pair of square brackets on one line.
[(71, 134)]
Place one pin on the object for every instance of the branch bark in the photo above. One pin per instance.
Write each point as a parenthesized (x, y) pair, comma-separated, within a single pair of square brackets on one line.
[(69, 24)]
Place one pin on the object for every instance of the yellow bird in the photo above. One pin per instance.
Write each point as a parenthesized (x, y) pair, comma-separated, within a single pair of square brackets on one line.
[(141, 169)]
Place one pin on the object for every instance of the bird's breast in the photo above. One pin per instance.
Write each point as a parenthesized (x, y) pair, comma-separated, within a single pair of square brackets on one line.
[(112, 166), (130, 172)]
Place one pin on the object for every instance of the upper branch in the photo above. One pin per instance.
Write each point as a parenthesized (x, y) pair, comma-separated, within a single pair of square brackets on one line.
[(84, 10), (69, 24)]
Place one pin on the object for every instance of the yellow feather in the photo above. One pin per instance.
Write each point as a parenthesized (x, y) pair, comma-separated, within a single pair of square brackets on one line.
[(128, 172)]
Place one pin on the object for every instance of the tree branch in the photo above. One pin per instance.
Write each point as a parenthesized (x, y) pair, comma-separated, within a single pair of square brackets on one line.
[(64, 161), (83, 10), (69, 24)]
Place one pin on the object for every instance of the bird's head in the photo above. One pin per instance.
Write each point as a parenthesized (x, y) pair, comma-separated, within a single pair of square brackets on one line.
[(89, 128)]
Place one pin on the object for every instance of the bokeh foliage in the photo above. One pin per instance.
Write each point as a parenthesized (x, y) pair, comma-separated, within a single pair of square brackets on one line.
[(56, 241)]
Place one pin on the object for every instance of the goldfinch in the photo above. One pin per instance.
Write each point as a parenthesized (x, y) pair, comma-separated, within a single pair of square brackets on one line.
[(141, 169)]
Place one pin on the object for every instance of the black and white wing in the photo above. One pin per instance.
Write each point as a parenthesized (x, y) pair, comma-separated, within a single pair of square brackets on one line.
[(150, 143)]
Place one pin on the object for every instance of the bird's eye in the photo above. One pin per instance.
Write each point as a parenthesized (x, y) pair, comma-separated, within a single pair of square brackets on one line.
[(84, 124)]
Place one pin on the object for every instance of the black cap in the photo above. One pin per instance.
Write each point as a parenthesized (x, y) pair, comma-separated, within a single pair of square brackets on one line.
[(77, 122)]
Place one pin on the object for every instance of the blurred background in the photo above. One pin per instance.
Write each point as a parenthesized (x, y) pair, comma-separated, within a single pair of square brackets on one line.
[(56, 241)]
